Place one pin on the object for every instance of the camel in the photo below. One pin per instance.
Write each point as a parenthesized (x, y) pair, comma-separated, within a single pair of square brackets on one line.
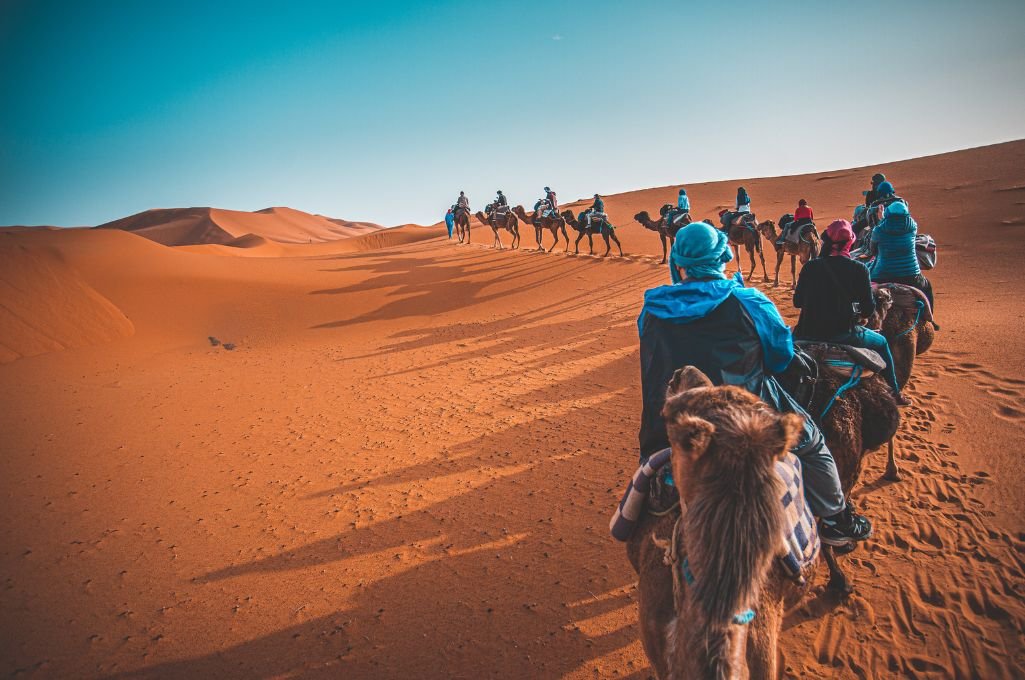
[(859, 420), (721, 541), (506, 221), (664, 233), (598, 226), (462, 224), (542, 222), (806, 249), (907, 327), (742, 235)]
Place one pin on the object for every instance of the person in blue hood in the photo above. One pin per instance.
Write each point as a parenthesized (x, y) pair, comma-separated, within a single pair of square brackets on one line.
[(682, 201), (735, 336), (893, 241)]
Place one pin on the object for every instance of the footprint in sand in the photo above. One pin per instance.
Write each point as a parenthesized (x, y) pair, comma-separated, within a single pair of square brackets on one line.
[(1009, 413)]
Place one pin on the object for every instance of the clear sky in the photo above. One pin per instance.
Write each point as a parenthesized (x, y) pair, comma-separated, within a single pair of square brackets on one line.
[(384, 110)]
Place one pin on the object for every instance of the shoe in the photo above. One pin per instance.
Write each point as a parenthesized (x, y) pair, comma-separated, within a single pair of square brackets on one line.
[(844, 528), (903, 400)]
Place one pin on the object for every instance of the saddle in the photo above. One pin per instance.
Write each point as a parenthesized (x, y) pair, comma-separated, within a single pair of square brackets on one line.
[(813, 358), (653, 490)]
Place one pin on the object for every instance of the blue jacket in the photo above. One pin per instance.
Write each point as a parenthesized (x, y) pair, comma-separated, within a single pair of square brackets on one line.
[(732, 334), (894, 242), (683, 202)]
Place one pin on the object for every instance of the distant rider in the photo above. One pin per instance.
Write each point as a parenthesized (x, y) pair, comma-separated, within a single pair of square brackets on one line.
[(804, 215), (463, 202), (597, 209), (553, 202)]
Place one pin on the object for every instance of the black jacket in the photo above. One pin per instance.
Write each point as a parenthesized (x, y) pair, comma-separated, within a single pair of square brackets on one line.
[(725, 346), (825, 301)]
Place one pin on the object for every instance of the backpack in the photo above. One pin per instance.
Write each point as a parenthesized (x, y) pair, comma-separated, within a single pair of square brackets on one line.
[(925, 249)]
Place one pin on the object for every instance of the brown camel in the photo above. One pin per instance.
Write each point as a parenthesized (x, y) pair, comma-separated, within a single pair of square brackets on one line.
[(542, 222), (727, 531), (597, 227), (743, 235), (666, 234), (806, 248), (462, 224), (858, 420), (904, 318), (505, 221)]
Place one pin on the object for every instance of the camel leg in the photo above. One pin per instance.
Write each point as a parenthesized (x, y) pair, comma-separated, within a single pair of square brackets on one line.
[(618, 244), (763, 642), (608, 246), (751, 256), (565, 237), (498, 241), (555, 233), (793, 272), (538, 234), (736, 256), (892, 472), (761, 256), (576, 244), (590, 242), (664, 251), (516, 239), (779, 263), (837, 579)]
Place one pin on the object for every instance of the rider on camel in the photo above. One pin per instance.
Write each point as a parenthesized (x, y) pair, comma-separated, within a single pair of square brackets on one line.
[(834, 293), (597, 208), (735, 336), (463, 202), (803, 216), (893, 241), (553, 202)]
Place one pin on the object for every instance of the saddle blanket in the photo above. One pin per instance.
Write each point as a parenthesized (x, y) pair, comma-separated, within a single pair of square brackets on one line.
[(800, 535)]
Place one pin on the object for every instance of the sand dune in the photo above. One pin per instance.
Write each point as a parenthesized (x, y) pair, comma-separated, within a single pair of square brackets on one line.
[(406, 465), (47, 305), (200, 226)]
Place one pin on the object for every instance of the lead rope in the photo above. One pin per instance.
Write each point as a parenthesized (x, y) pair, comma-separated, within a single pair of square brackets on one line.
[(681, 574)]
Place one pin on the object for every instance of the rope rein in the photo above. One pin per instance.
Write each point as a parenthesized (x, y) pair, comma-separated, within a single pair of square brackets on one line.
[(918, 317), (682, 575)]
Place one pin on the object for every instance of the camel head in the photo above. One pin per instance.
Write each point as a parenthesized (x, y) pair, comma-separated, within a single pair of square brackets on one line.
[(645, 220), (569, 216), (481, 217), (725, 443), (884, 303), (767, 229), (521, 213)]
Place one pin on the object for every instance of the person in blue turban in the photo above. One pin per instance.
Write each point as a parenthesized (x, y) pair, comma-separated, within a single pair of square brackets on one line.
[(735, 336)]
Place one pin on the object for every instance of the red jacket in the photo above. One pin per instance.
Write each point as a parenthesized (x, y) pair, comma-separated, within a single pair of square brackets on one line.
[(804, 213)]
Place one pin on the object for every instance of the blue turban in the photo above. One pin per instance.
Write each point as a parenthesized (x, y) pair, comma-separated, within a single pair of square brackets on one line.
[(702, 251), (884, 189), (897, 208)]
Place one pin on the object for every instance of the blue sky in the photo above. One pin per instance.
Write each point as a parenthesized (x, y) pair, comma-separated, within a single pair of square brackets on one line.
[(384, 110)]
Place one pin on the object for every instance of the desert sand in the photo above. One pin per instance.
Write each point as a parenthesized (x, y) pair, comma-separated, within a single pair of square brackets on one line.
[(406, 464)]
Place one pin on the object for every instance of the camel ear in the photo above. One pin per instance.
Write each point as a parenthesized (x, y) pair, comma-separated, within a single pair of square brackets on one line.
[(687, 378), (689, 437), (790, 427)]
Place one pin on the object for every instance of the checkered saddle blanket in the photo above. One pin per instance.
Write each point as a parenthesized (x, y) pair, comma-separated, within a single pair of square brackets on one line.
[(800, 537)]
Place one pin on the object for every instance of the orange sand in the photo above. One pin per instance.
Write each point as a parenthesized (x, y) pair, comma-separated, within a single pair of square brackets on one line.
[(407, 464)]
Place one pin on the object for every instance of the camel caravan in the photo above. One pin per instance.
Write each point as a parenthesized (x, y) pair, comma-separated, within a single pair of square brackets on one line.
[(753, 434), (497, 215)]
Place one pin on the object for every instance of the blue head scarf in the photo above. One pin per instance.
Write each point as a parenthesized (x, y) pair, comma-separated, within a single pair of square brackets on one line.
[(702, 251), (884, 189)]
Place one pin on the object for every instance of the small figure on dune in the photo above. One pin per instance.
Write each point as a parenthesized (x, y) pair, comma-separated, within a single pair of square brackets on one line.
[(497, 215), (450, 221), (592, 220), (803, 216), (461, 218)]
